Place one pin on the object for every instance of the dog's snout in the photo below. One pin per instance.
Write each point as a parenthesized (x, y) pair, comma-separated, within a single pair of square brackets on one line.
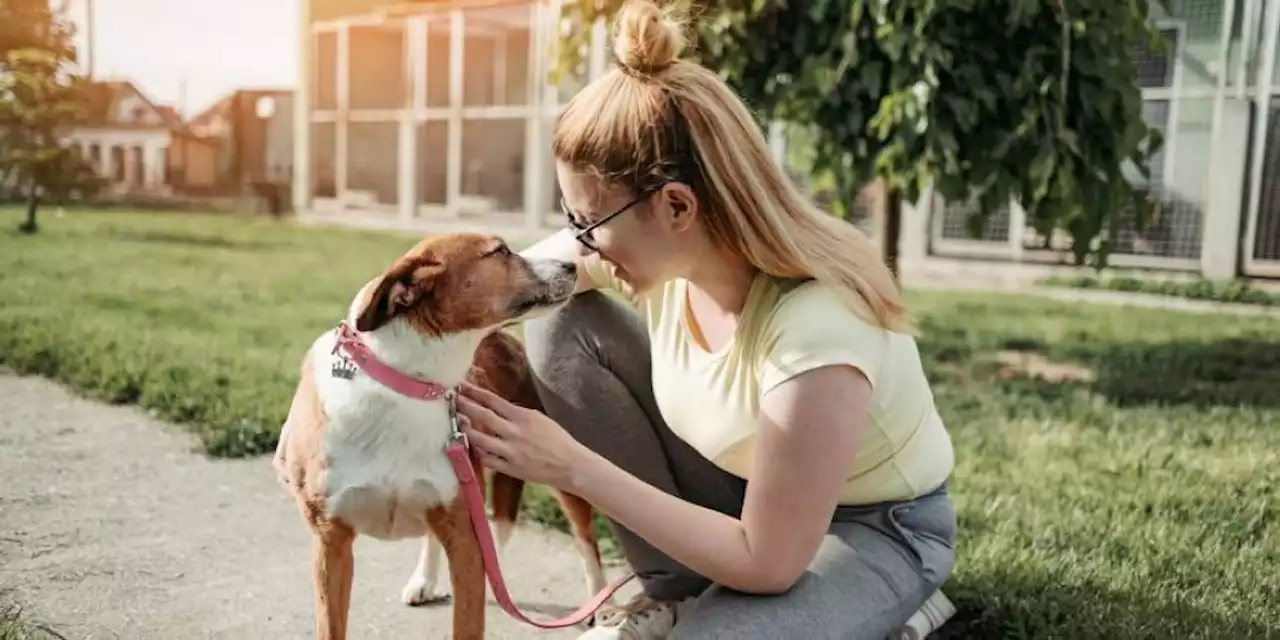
[(552, 270)]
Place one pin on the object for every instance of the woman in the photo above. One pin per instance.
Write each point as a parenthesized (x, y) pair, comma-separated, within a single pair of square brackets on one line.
[(759, 422)]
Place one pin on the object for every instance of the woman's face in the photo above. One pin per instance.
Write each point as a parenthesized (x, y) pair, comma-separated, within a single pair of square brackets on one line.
[(639, 236)]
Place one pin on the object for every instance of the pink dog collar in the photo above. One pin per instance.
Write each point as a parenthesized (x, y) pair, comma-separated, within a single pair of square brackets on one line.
[(349, 342)]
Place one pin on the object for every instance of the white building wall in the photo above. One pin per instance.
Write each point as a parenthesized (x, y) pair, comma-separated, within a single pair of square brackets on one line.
[(153, 142)]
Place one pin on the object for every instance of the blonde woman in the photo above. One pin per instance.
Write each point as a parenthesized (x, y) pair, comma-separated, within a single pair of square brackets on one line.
[(756, 421)]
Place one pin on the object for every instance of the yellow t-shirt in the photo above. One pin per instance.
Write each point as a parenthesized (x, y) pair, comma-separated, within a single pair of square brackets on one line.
[(712, 400)]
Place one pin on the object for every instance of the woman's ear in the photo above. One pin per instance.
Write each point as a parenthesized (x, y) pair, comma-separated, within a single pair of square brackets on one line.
[(682, 202)]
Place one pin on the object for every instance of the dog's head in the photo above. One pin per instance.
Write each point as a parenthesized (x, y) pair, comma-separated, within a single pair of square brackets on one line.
[(463, 282)]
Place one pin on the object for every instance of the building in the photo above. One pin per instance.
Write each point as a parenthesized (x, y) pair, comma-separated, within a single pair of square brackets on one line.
[(1213, 93), (138, 145), (429, 111), (252, 130)]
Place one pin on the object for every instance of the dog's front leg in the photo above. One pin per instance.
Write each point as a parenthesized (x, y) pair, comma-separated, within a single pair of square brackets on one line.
[(452, 526), (334, 566)]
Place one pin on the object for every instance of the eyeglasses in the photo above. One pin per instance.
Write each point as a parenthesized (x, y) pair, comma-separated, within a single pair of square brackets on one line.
[(583, 233)]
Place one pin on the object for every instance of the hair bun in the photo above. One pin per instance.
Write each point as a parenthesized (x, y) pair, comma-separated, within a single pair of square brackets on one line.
[(646, 40)]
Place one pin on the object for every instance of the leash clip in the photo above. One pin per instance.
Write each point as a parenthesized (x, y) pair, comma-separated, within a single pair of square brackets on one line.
[(455, 427)]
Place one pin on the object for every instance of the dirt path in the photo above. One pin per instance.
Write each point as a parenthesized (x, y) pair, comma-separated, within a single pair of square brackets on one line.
[(111, 527)]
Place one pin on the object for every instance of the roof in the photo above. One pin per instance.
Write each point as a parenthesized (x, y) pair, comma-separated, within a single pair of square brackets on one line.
[(104, 95), (170, 116)]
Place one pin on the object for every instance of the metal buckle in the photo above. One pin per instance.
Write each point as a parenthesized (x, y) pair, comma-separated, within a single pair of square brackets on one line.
[(455, 428)]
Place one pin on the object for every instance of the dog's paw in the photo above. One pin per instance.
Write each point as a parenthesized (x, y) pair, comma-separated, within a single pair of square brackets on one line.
[(419, 592)]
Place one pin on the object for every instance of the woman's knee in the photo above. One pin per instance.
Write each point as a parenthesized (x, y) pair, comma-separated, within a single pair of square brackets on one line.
[(863, 583), (578, 331)]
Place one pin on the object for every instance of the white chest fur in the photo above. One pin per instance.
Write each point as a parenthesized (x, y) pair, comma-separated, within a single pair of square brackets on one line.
[(385, 452)]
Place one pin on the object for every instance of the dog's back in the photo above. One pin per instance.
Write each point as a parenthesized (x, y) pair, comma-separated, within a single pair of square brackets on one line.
[(500, 366)]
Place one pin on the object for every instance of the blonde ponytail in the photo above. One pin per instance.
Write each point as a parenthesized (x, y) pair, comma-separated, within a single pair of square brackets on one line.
[(658, 118)]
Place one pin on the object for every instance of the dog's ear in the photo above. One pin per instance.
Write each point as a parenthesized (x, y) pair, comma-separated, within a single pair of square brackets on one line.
[(397, 290)]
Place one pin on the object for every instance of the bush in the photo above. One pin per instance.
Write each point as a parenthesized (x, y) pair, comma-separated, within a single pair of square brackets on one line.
[(1236, 291)]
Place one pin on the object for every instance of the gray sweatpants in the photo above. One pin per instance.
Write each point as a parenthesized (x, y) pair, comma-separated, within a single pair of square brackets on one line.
[(876, 566)]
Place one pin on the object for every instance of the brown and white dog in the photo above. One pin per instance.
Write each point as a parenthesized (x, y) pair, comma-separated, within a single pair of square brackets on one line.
[(362, 459)]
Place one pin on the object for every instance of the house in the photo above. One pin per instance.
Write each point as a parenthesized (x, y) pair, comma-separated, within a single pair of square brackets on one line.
[(253, 132), (139, 145)]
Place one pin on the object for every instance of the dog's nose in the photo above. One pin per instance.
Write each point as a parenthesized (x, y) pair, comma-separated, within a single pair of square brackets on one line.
[(568, 268)]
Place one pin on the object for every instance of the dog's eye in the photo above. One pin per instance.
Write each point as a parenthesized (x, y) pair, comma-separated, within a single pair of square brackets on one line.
[(501, 250)]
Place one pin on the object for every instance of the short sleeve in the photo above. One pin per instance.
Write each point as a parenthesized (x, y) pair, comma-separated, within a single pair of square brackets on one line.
[(812, 327)]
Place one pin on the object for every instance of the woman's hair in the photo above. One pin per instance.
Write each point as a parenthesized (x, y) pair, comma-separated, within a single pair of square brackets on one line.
[(655, 118)]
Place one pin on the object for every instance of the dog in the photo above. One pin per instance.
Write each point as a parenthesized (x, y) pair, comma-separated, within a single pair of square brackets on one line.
[(364, 459)]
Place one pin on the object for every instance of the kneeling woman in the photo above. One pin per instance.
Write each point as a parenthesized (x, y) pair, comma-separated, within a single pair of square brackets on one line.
[(756, 421)]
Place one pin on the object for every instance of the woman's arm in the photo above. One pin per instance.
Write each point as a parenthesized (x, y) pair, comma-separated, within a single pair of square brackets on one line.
[(561, 245), (806, 445)]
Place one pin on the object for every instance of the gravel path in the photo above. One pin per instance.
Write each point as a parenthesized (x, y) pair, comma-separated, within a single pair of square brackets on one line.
[(111, 526)]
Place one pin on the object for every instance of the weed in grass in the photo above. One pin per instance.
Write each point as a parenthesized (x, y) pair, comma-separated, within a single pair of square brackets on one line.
[(16, 624)]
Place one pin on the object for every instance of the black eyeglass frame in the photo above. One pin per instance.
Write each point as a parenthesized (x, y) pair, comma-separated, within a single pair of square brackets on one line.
[(583, 234)]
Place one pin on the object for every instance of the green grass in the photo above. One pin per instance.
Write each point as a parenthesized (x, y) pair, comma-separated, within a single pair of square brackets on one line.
[(1117, 469), (201, 319), (1236, 291)]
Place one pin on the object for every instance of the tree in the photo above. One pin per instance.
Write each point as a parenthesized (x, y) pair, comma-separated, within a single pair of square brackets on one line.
[(38, 101), (27, 24), (1034, 100)]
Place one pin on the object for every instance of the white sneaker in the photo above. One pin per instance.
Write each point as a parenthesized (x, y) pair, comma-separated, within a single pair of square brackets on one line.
[(639, 619), (932, 615)]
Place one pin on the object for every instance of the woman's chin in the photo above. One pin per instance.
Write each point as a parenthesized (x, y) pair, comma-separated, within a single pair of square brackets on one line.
[(625, 278), (618, 272)]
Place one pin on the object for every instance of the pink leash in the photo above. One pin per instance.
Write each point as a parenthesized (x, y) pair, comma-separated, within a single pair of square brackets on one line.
[(458, 451)]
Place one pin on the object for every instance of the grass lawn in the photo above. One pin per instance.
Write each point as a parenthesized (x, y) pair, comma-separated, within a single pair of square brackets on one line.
[(1118, 469)]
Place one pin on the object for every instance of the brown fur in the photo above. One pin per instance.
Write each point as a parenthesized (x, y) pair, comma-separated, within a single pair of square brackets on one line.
[(430, 286), (500, 366)]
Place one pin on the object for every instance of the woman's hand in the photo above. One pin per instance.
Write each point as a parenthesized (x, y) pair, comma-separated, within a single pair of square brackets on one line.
[(519, 442)]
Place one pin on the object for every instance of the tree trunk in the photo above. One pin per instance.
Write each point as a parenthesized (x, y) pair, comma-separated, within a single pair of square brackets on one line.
[(892, 228), (33, 203)]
